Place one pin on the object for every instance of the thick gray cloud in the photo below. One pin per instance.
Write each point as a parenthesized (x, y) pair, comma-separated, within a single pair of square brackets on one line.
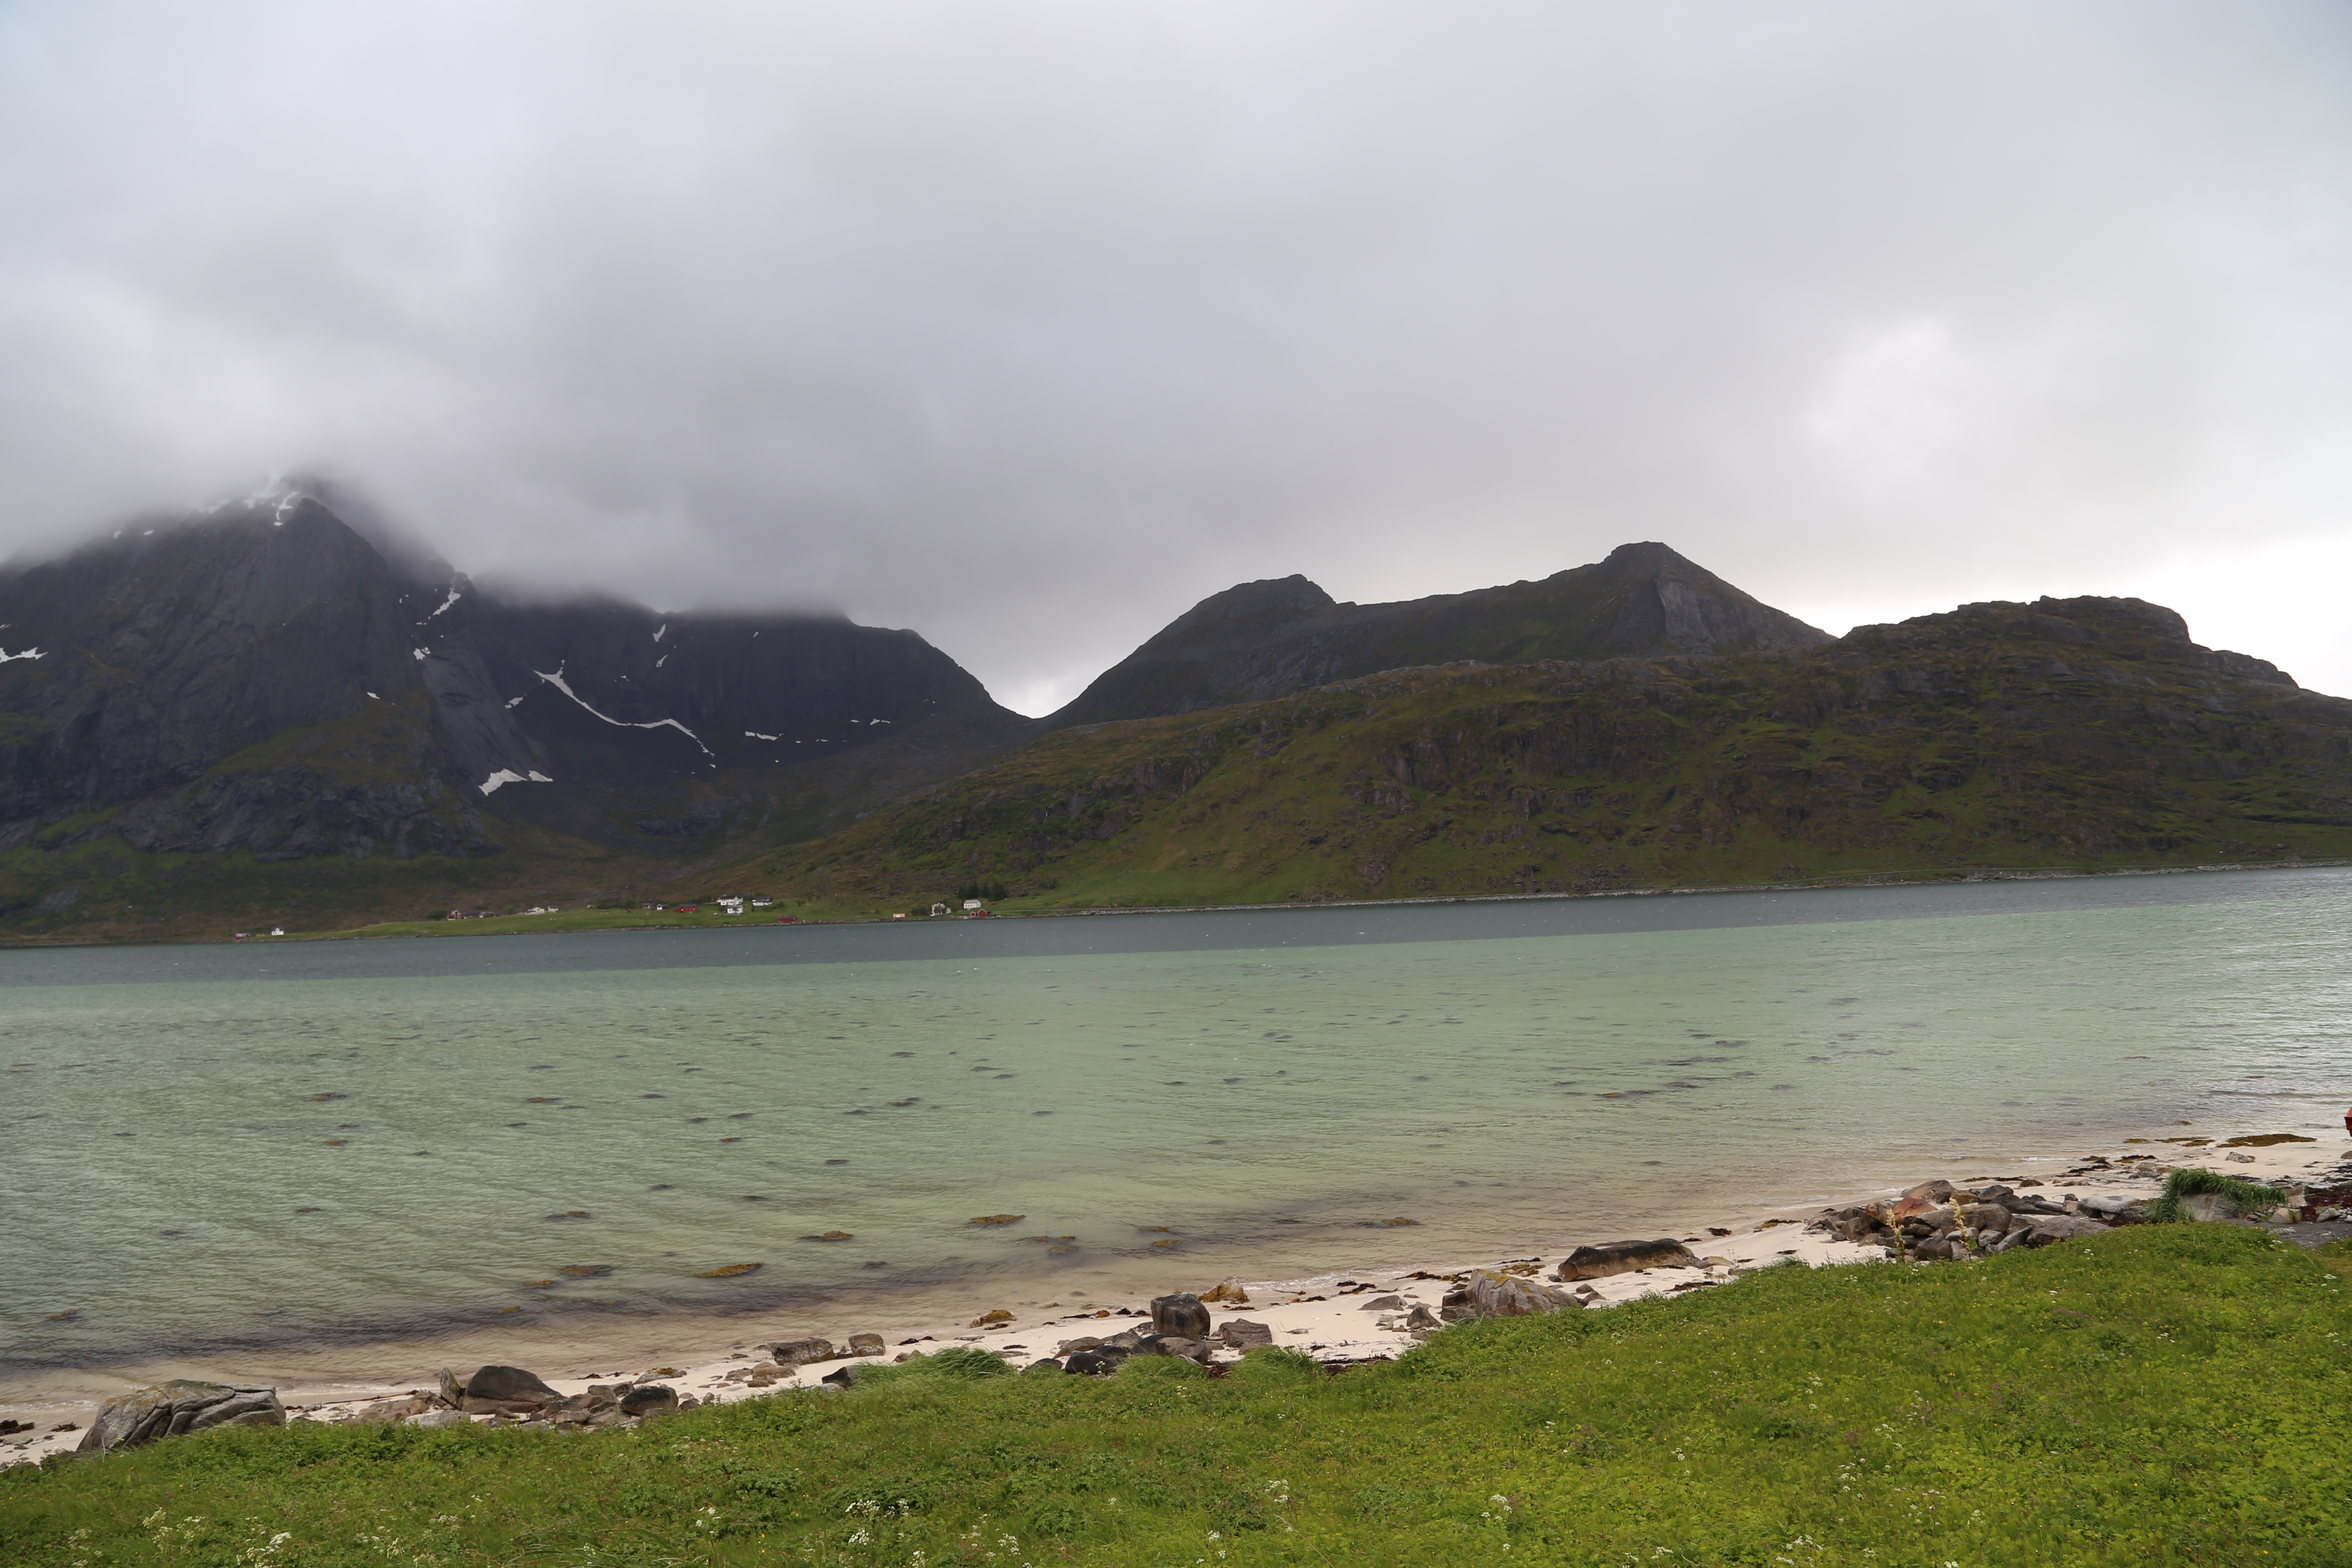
[(1028, 323)]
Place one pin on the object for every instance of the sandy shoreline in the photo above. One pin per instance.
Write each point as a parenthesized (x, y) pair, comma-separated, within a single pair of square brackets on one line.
[(1322, 1315)]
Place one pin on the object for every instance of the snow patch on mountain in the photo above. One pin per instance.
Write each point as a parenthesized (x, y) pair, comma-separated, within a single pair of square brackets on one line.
[(508, 775), (556, 681)]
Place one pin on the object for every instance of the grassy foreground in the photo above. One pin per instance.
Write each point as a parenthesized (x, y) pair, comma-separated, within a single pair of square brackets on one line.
[(2172, 1393)]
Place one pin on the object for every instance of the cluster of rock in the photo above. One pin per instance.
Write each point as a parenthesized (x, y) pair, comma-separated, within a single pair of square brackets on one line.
[(1938, 1222), (785, 1356), (512, 1394), (171, 1409), (1180, 1327)]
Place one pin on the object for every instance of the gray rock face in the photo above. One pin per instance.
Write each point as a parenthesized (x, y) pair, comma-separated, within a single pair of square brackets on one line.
[(505, 1391), (1099, 1362), (1271, 639), (800, 1352), (1182, 1346), (172, 1409), (1608, 1258), (1492, 1294), (649, 1399), (1239, 1332), (1181, 1314), (2045, 1229)]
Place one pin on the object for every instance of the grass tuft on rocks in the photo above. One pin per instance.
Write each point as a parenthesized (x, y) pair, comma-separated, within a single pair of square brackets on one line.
[(2190, 1182), (2156, 1394)]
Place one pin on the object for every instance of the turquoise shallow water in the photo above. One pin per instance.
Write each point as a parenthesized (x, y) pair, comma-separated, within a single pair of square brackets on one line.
[(256, 1157)]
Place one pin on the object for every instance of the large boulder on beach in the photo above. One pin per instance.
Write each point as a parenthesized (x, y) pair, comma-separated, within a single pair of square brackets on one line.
[(800, 1352), (2048, 1229), (1608, 1258), (172, 1409), (648, 1399), (1239, 1332), (1182, 1315), (505, 1391), (1183, 1346), (1490, 1293)]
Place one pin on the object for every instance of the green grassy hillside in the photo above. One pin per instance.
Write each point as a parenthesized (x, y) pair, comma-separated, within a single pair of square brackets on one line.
[(2085, 735), (2159, 1394)]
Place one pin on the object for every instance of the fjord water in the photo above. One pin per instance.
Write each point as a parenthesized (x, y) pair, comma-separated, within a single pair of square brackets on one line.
[(267, 1157)]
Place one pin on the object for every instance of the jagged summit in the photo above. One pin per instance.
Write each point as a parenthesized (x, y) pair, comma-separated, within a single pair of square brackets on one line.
[(1270, 639)]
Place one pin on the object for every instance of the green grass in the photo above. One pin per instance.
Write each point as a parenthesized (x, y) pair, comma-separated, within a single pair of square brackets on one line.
[(2159, 1394)]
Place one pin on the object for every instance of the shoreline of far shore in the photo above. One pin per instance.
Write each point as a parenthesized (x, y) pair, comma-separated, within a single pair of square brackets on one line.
[(1298, 1312), (1915, 877)]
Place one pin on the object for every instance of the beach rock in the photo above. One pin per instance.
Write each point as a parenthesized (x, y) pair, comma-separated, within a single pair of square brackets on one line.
[(1182, 1346), (1421, 1319), (440, 1418), (170, 1409), (1391, 1304), (1042, 1364), (1933, 1249), (2106, 1205), (1230, 1292), (996, 1318), (840, 1376), (800, 1352), (1610, 1257), (388, 1410), (1239, 1332), (866, 1344), (1083, 1342), (1494, 1294), (2047, 1230), (648, 1399), (2030, 1203), (1099, 1362), (1182, 1315), (1126, 1339), (505, 1391), (1985, 1219)]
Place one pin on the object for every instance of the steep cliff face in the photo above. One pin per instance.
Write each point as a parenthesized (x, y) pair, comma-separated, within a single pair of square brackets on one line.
[(263, 678), (140, 660), (1268, 639)]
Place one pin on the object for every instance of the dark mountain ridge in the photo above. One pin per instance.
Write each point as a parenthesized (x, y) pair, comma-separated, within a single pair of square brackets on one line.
[(1270, 639), (2079, 734), (263, 678)]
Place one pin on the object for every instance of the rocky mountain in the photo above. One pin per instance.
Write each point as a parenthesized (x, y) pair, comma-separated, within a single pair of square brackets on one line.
[(2079, 734), (264, 679), (1272, 638)]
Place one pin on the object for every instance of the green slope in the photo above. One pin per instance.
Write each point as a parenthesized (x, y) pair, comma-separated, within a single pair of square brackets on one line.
[(2088, 733), (2159, 1394)]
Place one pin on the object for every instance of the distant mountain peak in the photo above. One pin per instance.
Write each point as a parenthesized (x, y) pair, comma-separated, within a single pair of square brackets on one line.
[(1269, 639)]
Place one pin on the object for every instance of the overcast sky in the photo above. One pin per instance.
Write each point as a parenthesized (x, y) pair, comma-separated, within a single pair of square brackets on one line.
[(1027, 324)]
